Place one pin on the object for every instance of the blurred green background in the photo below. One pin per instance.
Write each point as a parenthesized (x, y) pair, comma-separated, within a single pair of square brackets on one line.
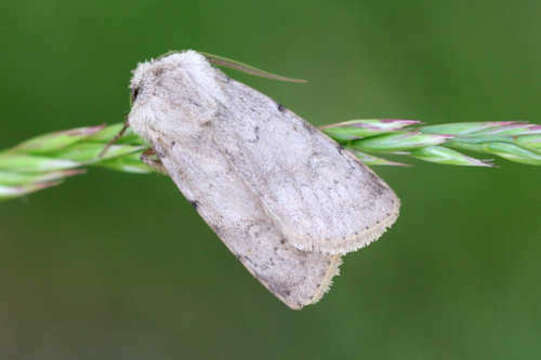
[(119, 266)]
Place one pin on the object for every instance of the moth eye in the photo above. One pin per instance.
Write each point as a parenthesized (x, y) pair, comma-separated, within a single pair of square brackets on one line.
[(134, 94)]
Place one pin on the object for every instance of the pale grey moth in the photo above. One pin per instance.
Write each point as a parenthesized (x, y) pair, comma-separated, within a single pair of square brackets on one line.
[(286, 199)]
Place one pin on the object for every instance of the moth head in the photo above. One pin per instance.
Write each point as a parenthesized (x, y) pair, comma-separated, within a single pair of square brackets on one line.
[(174, 92), (170, 73)]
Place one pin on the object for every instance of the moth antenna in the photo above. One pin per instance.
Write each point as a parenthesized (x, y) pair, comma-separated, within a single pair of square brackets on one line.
[(114, 139), (248, 69)]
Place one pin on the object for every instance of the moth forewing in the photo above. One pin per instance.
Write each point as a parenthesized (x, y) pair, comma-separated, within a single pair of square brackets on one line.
[(296, 277), (323, 198), (283, 197), (230, 208)]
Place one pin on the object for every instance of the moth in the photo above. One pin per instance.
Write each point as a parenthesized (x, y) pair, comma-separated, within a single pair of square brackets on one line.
[(286, 200)]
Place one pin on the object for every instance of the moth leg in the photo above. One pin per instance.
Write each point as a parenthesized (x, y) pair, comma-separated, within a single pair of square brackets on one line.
[(150, 157), (115, 138)]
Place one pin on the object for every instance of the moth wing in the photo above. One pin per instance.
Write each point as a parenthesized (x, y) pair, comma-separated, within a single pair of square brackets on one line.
[(319, 194), (234, 212)]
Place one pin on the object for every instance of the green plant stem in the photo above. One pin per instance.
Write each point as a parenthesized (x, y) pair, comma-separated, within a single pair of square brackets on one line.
[(48, 160)]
